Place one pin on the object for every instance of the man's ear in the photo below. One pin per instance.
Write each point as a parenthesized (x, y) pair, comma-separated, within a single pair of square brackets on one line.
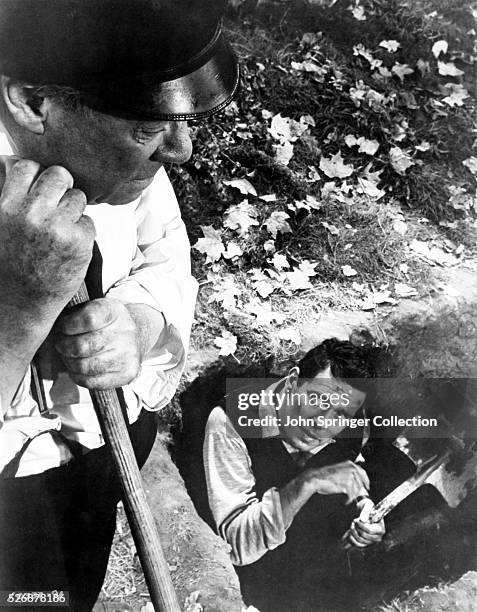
[(291, 379), (28, 111)]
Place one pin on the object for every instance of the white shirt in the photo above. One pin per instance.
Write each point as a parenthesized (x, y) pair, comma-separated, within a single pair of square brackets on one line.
[(250, 525), (146, 260)]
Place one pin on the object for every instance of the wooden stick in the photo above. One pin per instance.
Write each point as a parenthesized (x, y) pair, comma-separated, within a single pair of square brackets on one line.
[(141, 521)]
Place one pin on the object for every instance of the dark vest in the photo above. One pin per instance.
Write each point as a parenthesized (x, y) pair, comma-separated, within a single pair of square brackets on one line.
[(301, 568)]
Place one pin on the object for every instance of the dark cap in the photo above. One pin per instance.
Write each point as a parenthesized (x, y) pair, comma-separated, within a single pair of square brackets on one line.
[(138, 59)]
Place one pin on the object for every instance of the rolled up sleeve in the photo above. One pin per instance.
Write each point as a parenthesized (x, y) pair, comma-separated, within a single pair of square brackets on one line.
[(161, 278), (251, 526)]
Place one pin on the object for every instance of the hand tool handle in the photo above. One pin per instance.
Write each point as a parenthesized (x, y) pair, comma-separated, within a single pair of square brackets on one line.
[(141, 521), (407, 487)]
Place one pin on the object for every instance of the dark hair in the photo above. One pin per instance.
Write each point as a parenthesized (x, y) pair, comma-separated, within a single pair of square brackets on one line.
[(346, 360)]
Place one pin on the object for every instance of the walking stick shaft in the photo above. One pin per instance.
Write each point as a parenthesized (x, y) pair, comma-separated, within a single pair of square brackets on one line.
[(141, 521)]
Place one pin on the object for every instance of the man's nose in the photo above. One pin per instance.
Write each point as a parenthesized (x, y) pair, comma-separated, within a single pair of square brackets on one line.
[(175, 146)]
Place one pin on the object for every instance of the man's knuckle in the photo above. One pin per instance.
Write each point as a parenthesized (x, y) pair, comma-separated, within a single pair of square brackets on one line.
[(58, 174)]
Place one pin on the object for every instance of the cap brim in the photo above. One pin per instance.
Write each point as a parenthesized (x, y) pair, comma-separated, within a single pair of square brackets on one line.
[(207, 89)]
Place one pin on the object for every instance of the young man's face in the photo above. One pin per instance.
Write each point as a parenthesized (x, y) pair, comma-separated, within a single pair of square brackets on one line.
[(323, 396), (112, 160)]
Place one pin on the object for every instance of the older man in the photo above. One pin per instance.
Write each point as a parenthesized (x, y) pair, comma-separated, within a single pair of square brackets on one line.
[(95, 95)]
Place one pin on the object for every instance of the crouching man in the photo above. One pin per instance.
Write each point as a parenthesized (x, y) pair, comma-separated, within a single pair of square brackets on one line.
[(285, 491)]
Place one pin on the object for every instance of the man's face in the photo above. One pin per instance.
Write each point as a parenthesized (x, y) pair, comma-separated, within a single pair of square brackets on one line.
[(324, 396), (112, 160)]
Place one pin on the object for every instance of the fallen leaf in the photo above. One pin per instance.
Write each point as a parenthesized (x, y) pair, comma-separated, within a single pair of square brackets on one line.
[(286, 129), (400, 226), (227, 343), (403, 290), (365, 146), (269, 246), (358, 12), (371, 189), (277, 222), (390, 45), (226, 293), (471, 164), (334, 167), (298, 280), (400, 160), (233, 250), (148, 607), (404, 268), (440, 46), (307, 267), (310, 67), (401, 70), (449, 69), (243, 185), (423, 67), (241, 217), (211, 245), (263, 288), (268, 198), (348, 270), (432, 254), (264, 313), (192, 603), (383, 297), (291, 334), (283, 152), (280, 261), (331, 228), (456, 98), (424, 146)]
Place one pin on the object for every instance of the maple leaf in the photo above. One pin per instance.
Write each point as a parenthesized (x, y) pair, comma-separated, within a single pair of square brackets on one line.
[(269, 246), (348, 270), (471, 164), (390, 45), (365, 146), (423, 146), (271, 197), (449, 69), (298, 280), (291, 334), (310, 67), (263, 288), (277, 222), (440, 46), (241, 217), (283, 152), (286, 129), (423, 67), (264, 313), (358, 13), (211, 245), (243, 185), (371, 189), (233, 250), (400, 160), (280, 261), (307, 267), (334, 167), (227, 343), (401, 70)]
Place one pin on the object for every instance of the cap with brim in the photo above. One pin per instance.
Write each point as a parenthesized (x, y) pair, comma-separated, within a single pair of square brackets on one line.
[(198, 88), (138, 59)]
